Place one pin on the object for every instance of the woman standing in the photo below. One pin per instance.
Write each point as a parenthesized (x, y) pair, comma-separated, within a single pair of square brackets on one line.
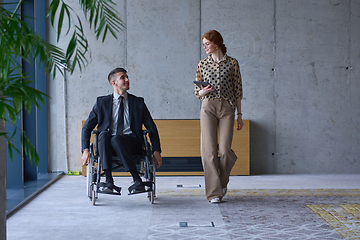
[(219, 100)]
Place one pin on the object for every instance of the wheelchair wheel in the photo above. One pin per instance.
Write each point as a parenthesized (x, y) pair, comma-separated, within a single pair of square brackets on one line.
[(151, 196), (90, 171), (91, 177), (151, 175), (88, 181), (93, 197)]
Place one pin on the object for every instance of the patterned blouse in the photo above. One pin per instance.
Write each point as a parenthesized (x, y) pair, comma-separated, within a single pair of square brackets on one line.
[(225, 75)]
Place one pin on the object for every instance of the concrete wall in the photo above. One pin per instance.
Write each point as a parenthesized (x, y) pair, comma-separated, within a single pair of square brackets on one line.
[(300, 66)]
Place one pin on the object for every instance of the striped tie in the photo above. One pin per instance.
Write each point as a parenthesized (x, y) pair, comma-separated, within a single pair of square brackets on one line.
[(120, 125)]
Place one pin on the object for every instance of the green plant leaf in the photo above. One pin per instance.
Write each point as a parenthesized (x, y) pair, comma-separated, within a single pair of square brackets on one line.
[(2, 110), (52, 10), (29, 149), (19, 43), (10, 150)]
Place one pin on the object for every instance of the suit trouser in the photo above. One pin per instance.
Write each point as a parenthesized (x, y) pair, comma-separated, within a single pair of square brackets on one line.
[(216, 120), (119, 145)]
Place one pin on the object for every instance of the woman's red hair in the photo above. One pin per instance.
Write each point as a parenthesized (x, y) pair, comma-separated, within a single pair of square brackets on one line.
[(216, 38)]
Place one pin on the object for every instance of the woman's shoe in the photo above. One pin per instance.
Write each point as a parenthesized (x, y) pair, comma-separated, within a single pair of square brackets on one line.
[(215, 200)]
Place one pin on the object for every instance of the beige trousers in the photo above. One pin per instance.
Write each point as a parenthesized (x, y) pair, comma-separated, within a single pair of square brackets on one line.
[(217, 122)]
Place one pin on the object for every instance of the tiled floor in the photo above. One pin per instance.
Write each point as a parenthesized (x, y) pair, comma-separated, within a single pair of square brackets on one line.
[(256, 207)]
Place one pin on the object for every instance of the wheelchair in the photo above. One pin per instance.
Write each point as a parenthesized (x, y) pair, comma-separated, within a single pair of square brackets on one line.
[(144, 163)]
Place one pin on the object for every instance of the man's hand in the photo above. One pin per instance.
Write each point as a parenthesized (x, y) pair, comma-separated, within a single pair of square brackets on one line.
[(157, 158), (85, 157)]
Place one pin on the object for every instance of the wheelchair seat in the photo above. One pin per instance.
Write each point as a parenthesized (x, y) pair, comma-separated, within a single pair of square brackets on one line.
[(144, 163)]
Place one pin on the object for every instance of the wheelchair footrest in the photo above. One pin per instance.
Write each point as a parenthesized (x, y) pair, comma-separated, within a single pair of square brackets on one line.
[(145, 191)]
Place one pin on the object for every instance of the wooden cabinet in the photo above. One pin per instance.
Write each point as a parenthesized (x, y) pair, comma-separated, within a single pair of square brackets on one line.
[(181, 138), (180, 144)]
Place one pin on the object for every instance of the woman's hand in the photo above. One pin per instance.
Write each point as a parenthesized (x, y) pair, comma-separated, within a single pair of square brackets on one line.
[(206, 90), (239, 122)]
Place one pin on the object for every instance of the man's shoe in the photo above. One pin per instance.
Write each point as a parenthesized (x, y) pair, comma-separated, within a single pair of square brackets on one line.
[(138, 187), (117, 189), (215, 200), (106, 188)]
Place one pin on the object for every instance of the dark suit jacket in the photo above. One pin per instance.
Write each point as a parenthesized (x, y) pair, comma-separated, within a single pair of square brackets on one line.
[(138, 113)]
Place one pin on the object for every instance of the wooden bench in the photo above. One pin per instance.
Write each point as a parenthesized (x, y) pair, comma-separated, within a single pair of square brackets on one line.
[(181, 139)]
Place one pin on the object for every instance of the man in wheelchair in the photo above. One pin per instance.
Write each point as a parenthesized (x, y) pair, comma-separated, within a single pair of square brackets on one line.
[(119, 118)]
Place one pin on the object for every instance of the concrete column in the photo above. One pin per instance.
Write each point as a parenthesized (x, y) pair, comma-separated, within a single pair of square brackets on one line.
[(2, 186)]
